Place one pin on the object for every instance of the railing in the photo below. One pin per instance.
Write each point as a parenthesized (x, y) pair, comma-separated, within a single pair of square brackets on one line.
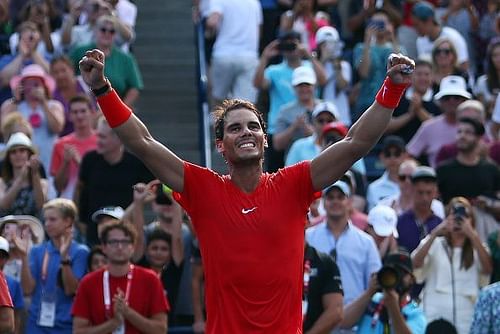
[(203, 107)]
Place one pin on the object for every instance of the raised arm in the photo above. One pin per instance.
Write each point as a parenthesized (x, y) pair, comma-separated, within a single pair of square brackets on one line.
[(164, 164), (364, 134)]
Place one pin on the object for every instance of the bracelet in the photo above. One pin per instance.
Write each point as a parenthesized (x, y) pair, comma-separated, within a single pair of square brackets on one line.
[(390, 93), (66, 262), (103, 90)]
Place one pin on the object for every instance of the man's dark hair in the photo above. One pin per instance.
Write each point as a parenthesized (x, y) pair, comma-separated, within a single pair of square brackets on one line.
[(221, 111), (159, 234), (477, 125), (127, 229), (81, 98), (440, 326), (94, 251)]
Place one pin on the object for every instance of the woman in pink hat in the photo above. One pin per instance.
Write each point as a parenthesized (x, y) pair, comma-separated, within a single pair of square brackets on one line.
[(33, 89)]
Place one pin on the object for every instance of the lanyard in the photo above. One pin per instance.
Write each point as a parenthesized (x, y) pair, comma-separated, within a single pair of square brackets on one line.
[(45, 265), (105, 288)]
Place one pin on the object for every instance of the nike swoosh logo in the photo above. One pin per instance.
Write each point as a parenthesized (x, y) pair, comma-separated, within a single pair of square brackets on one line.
[(245, 211)]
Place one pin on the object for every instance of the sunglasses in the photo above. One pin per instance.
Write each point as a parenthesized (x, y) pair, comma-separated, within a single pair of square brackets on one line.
[(105, 30), (443, 51), (395, 153), (403, 177)]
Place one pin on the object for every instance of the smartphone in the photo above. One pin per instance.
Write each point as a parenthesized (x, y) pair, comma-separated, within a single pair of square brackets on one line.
[(459, 212)]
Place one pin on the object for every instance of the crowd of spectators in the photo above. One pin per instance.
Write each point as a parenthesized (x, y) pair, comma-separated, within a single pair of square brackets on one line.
[(429, 191)]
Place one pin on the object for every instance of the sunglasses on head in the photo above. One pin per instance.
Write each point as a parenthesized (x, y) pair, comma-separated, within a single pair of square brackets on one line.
[(105, 30), (443, 51)]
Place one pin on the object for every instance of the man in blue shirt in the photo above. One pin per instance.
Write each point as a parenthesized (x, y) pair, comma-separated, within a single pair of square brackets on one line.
[(52, 271), (392, 310)]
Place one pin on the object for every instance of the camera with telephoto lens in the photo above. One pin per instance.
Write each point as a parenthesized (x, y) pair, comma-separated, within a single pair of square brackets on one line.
[(396, 265)]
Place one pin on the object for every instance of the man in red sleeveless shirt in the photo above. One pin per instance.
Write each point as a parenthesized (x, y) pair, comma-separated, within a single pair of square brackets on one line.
[(250, 224)]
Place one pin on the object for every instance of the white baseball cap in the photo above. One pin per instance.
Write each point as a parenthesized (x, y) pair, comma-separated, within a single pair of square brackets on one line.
[(327, 33), (326, 106), (452, 85), (340, 185), (384, 220), (303, 74), (112, 211)]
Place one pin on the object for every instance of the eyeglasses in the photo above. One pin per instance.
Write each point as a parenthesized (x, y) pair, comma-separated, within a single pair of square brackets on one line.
[(118, 242), (105, 30), (403, 177), (395, 153), (443, 51)]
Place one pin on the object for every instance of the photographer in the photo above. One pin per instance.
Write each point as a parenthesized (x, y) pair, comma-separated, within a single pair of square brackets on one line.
[(451, 260), (391, 310)]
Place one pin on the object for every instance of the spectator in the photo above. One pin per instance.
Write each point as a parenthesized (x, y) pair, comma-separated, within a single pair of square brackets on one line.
[(303, 19), (121, 68), (440, 326), (309, 147), (488, 84), (106, 216), (471, 176), (134, 300), (440, 130), (106, 178), (322, 292), (429, 30), (51, 271), (38, 12), (7, 323), (27, 228), (22, 190), (126, 14), (295, 118), (417, 222), (393, 153), (15, 122), (235, 53), (354, 251), (69, 150), (338, 71), (488, 29), (485, 319), (451, 260), (369, 59), (416, 106), (25, 54), (444, 61), (382, 221), (392, 309), (96, 259), (14, 286), (277, 79), (45, 115), (68, 85)]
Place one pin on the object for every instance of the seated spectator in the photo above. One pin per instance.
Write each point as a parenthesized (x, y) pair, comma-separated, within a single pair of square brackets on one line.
[(444, 61), (417, 222), (451, 260), (51, 272), (309, 147), (338, 71), (354, 251), (68, 85), (121, 68), (393, 153), (471, 176), (38, 11), (416, 106), (295, 118), (25, 54), (440, 130), (382, 221), (429, 30), (69, 150), (27, 228), (22, 190), (370, 59), (14, 286), (96, 259), (387, 306), (143, 309), (485, 319), (303, 18), (45, 115)]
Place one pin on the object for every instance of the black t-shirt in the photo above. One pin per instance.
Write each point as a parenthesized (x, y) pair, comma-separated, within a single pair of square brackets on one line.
[(456, 179), (408, 131), (170, 279), (107, 185), (324, 278)]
